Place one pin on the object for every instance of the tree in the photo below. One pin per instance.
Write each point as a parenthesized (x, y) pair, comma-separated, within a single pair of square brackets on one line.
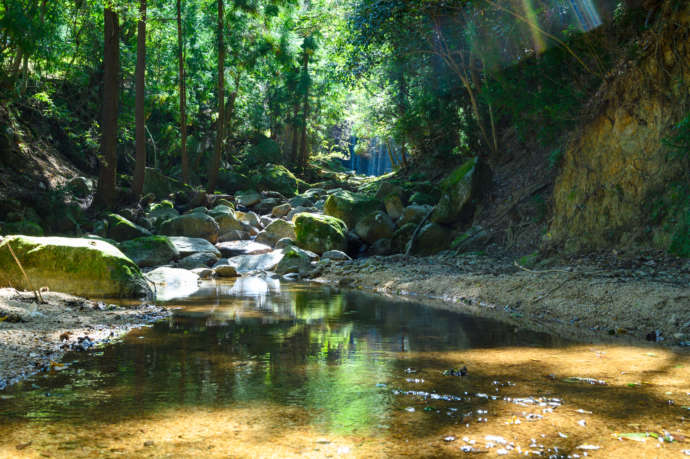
[(106, 192), (140, 110), (183, 96), (220, 122)]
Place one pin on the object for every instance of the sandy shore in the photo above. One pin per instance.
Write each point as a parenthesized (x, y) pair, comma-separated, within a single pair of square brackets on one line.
[(34, 337), (639, 300)]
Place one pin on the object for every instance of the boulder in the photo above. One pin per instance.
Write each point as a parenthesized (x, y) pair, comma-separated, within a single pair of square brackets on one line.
[(423, 199), (248, 218), (188, 245), (232, 181), (314, 193), (198, 260), (281, 210), (432, 238), (402, 236), (275, 177), (265, 221), (300, 201), (284, 243), (375, 226), (248, 198), (276, 231), (381, 247), (221, 210), (295, 260), (457, 192), (223, 202), (266, 205), (229, 222), (413, 214), (301, 210), (77, 266), (394, 206), (160, 212), (234, 235), (386, 189), (350, 207), (235, 248), (150, 251), (226, 271), (192, 225), (247, 263), (335, 255), (204, 273), (320, 233), (173, 282), (121, 229)]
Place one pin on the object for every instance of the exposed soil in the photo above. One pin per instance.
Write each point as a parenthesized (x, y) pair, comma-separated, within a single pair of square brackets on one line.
[(590, 298), (34, 337)]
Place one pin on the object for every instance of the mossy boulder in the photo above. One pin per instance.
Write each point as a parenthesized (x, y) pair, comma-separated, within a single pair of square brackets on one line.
[(320, 233), (192, 225), (457, 192), (232, 181), (160, 212), (22, 227), (432, 238), (121, 229), (160, 185), (295, 260), (423, 199), (350, 207), (248, 198), (150, 251), (377, 225), (277, 230), (274, 177), (77, 266), (402, 236)]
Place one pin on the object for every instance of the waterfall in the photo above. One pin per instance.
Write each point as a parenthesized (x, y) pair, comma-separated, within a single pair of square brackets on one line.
[(375, 162)]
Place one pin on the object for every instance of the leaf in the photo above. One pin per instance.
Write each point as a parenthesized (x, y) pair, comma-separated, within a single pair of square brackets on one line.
[(4, 318)]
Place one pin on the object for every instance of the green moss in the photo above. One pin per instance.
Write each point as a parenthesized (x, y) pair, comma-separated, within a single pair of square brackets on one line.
[(149, 251), (320, 233), (25, 227), (461, 173), (71, 265), (278, 178), (350, 207)]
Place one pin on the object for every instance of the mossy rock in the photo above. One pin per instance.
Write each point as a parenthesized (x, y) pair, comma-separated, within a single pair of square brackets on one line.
[(350, 207), (457, 192), (120, 229), (377, 225), (274, 177), (402, 236), (25, 227), (295, 260), (192, 225), (320, 233), (76, 266), (432, 238), (232, 181), (275, 231), (150, 251), (423, 199)]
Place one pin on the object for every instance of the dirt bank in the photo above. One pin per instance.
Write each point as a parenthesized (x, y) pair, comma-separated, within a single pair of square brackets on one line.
[(595, 298), (34, 337)]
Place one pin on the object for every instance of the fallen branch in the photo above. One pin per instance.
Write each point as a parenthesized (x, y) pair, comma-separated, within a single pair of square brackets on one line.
[(541, 272), (37, 294), (416, 232)]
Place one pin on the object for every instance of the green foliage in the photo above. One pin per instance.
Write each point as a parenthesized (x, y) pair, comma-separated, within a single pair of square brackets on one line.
[(674, 205)]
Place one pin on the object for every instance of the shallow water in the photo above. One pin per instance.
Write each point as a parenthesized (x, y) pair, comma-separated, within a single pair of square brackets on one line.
[(261, 369)]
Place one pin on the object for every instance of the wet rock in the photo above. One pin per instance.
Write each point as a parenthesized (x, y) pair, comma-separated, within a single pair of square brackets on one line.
[(284, 243), (189, 245), (221, 210), (295, 260), (335, 255), (231, 222), (198, 260), (247, 263), (235, 248), (300, 201), (234, 235), (196, 225), (457, 191), (226, 271), (248, 218), (204, 273), (320, 233), (300, 210)]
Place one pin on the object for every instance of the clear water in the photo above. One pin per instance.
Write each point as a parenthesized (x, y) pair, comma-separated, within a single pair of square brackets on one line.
[(262, 369)]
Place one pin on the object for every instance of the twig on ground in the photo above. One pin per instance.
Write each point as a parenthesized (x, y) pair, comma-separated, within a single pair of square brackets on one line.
[(37, 294)]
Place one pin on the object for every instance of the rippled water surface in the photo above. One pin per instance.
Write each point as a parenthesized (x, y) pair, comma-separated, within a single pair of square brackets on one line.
[(261, 369)]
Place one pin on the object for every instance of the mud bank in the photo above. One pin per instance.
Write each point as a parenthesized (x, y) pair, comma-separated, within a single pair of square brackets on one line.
[(589, 299), (34, 337)]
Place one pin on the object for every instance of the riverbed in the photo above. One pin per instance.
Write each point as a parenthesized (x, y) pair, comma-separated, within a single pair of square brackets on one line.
[(260, 368)]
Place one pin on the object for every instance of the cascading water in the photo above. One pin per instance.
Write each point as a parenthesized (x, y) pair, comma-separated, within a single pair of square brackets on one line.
[(376, 161)]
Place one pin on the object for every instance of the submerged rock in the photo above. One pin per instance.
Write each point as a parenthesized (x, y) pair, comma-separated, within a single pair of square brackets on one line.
[(77, 266)]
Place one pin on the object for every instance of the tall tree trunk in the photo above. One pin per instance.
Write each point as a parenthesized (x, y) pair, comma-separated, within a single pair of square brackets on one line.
[(139, 110), (402, 107), (183, 97), (303, 147), (105, 194), (220, 123)]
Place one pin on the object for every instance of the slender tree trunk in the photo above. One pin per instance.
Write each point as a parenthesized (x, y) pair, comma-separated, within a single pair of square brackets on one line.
[(295, 133), (105, 194), (402, 104), (183, 97), (139, 110), (304, 150), (220, 123)]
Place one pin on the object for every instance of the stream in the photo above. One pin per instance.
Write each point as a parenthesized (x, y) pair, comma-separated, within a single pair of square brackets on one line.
[(259, 368)]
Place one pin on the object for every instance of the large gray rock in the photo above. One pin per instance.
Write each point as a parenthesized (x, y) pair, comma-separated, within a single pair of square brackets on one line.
[(173, 282), (320, 233), (295, 260), (235, 248), (234, 235), (432, 238), (230, 221), (413, 214), (375, 226), (276, 231), (248, 198), (120, 229), (248, 263), (188, 245), (198, 260), (88, 267), (150, 251), (281, 210), (457, 191), (192, 225)]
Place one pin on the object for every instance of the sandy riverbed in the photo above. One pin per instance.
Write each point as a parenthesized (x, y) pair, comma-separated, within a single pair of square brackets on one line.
[(34, 337), (589, 299)]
